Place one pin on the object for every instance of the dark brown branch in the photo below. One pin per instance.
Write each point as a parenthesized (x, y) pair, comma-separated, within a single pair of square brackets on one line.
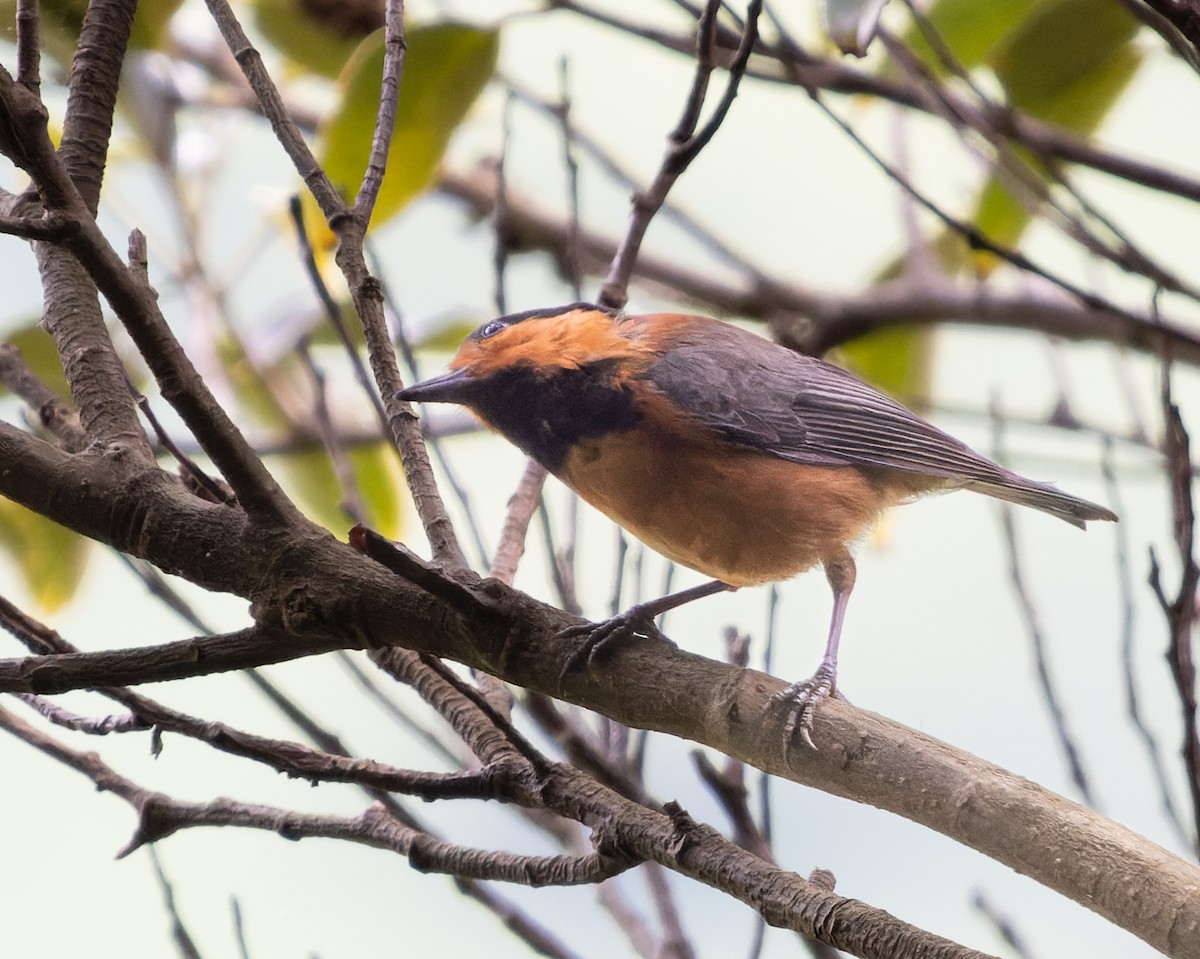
[(52, 227), (29, 46), (92, 94), (202, 656), (160, 816), (1062, 845), (1184, 15), (1180, 610)]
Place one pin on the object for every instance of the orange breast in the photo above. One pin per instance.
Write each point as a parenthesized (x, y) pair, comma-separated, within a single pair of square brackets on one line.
[(737, 515)]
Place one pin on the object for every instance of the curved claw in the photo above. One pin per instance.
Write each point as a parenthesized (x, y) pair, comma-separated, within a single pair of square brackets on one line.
[(802, 699), (635, 623)]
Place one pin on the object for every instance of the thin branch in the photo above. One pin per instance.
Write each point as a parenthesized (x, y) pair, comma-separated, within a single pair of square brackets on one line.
[(196, 478), (394, 48), (287, 132), (521, 506), (102, 726), (684, 144), (202, 656), (136, 303), (183, 939), (29, 46), (789, 64), (1129, 661), (1180, 610), (1033, 626)]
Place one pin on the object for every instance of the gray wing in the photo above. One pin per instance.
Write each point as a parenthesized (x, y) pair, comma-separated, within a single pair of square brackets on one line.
[(761, 395)]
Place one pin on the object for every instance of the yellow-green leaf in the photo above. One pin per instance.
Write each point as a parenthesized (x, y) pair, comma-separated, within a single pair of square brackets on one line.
[(1061, 47), (317, 35), (60, 21), (1054, 70), (445, 68), (970, 28), (896, 360), (51, 557), (40, 355)]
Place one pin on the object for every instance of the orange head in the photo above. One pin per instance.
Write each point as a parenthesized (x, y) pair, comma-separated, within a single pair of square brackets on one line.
[(544, 378)]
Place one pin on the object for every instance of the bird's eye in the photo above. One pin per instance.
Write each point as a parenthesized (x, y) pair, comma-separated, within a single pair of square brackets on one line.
[(491, 329)]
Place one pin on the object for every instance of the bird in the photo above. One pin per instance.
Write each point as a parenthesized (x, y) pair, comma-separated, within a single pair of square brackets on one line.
[(718, 448)]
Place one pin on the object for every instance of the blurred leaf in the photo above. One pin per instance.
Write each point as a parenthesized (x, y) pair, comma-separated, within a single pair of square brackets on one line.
[(150, 23), (898, 360), (310, 478), (59, 23), (1060, 46), (51, 557), (41, 356), (380, 481), (970, 28), (445, 68), (318, 35), (447, 337), (308, 475), (1057, 72), (249, 386)]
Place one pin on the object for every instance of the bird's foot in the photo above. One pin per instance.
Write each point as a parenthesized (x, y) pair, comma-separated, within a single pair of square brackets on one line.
[(801, 700), (637, 622)]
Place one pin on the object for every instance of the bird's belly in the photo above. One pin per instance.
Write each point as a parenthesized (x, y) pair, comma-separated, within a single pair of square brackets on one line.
[(737, 515)]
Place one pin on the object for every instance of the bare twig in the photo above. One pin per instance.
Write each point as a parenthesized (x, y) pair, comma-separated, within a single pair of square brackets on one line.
[(1050, 697), (179, 932), (683, 145), (102, 726), (1129, 660), (1180, 610), (394, 48)]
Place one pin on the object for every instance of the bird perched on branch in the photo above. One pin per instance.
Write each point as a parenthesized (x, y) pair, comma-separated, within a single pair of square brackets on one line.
[(721, 450)]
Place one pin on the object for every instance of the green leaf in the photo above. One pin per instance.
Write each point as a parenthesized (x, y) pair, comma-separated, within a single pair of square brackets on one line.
[(308, 475), (60, 21), (380, 482), (448, 336), (971, 28), (898, 361), (445, 68), (150, 23), (1063, 49), (51, 557), (318, 37), (1060, 73), (40, 355)]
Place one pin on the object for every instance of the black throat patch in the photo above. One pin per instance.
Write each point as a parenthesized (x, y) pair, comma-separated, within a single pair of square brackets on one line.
[(546, 412)]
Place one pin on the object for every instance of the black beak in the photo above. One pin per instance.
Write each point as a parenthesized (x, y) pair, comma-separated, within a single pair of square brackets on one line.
[(453, 387)]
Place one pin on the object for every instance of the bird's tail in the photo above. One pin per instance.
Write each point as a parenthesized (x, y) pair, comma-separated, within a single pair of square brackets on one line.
[(1049, 499)]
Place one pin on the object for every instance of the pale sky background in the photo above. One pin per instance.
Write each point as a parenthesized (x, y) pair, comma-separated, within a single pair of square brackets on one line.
[(933, 638)]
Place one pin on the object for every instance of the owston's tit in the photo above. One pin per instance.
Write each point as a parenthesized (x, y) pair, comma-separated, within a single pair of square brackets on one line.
[(719, 449)]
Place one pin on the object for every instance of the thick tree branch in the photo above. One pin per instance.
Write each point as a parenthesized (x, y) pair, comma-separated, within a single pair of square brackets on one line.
[(815, 322), (329, 595)]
